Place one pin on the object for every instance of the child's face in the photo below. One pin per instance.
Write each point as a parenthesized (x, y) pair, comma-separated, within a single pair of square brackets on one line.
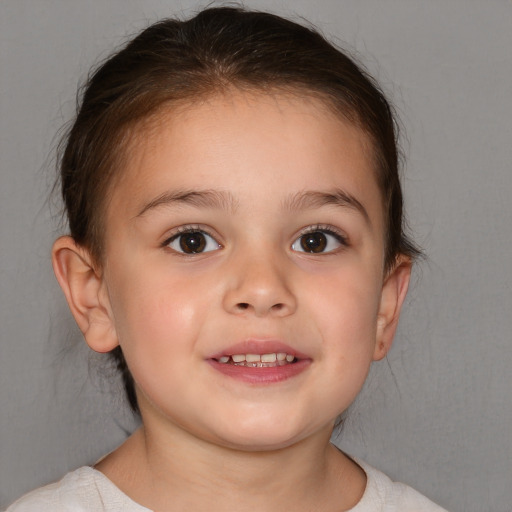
[(247, 224)]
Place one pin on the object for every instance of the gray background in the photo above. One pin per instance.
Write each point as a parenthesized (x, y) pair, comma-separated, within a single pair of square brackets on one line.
[(437, 413)]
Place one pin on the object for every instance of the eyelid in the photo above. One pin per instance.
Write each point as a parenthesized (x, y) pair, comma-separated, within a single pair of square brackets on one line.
[(190, 228), (325, 228), (328, 229)]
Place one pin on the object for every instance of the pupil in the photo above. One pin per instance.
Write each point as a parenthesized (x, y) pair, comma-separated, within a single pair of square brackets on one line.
[(192, 242), (314, 242)]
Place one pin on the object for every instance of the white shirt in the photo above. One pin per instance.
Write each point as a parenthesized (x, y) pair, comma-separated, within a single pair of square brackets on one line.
[(88, 490)]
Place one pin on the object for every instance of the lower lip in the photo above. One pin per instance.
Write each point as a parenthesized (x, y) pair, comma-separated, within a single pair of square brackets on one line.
[(265, 375)]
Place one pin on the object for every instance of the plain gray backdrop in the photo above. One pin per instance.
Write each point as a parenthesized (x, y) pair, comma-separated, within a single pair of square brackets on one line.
[(436, 414)]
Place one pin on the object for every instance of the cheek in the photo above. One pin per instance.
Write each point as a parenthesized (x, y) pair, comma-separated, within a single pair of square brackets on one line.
[(346, 311), (156, 315), (155, 334)]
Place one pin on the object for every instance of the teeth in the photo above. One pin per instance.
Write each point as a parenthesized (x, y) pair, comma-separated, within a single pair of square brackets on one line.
[(268, 358), (257, 360)]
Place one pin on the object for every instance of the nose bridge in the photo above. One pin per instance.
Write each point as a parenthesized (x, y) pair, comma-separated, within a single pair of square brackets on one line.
[(259, 283)]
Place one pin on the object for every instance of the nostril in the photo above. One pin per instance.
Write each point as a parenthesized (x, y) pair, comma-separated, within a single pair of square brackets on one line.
[(278, 307), (242, 305)]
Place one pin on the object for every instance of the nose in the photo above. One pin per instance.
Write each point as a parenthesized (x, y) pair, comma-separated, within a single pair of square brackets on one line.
[(258, 285)]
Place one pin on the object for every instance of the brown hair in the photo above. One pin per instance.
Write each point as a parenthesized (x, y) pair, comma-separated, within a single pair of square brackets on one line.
[(221, 47)]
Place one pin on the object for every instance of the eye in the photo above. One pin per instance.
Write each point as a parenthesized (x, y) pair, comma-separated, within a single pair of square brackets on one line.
[(319, 241), (192, 241)]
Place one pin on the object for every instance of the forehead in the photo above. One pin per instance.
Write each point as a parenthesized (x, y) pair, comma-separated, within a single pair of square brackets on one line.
[(286, 141)]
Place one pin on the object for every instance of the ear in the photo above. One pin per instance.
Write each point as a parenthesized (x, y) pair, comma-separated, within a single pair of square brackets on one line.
[(392, 298), (86, 293)]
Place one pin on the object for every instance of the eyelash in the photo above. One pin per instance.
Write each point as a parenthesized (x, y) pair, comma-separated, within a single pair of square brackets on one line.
[(183, 230), (327, 230), (318, 228)]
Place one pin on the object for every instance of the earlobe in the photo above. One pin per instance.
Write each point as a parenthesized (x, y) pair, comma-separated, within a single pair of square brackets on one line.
[(393, 295), (85, 292)]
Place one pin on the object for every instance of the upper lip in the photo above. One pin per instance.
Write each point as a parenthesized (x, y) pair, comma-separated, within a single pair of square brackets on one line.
[(260, 347)]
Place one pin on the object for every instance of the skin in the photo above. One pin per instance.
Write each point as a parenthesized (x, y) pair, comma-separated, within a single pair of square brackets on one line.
[(207, 437)]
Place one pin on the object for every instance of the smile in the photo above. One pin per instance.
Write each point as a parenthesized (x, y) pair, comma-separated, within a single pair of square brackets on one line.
[(260, 363), (270, 360)]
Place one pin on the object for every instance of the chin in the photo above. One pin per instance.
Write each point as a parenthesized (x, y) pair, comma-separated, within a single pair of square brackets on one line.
[(260, 437), (261, 443)]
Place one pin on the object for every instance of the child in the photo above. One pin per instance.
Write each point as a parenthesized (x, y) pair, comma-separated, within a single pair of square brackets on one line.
[(236, 243)]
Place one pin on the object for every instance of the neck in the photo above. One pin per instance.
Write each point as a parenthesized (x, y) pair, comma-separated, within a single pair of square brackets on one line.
[(181, 472)]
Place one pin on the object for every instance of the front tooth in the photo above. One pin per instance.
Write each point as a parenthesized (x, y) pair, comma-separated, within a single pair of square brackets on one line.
[(268, 358), (289, 358), (223, 359), (281, 356), (252, 358), (238, 358)]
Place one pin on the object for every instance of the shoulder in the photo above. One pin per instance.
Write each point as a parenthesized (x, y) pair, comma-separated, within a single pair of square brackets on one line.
[(83, 490), (384, 495)]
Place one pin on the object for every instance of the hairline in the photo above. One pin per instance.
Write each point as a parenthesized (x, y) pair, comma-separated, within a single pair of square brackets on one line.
[(129, 134)]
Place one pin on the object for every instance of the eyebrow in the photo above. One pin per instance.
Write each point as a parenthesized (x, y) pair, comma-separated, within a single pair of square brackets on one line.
[(316, 199), (214, 199), (223, 200)]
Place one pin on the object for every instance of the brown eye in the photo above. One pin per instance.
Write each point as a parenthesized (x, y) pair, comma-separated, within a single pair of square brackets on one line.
[(313, 242), (193, 242), (319, 241)]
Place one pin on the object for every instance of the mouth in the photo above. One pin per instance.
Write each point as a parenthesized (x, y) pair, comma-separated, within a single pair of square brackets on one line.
[(260, 363), (271, 360)]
